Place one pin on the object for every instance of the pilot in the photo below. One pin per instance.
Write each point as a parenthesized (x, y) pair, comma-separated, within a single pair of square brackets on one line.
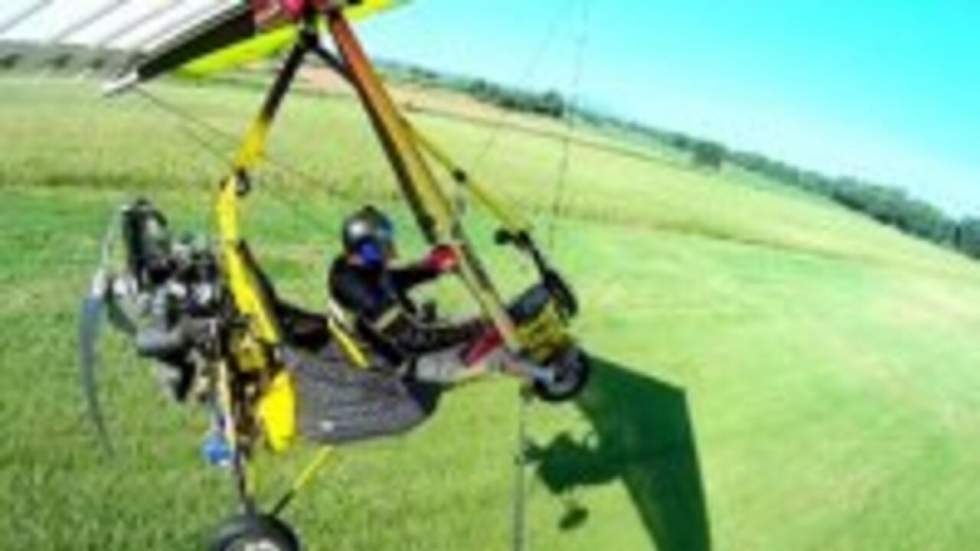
[(366, 283)]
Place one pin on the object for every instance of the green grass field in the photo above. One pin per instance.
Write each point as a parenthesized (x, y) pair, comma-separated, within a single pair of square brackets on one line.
[(773, 371)]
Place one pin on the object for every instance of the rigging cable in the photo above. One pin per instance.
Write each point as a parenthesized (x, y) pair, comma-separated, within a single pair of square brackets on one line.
[(525, 76), (570, 109), (519, 528), (191, 120)]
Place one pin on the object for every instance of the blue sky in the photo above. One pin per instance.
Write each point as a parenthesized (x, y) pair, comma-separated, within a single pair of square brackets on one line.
[(888, 91)]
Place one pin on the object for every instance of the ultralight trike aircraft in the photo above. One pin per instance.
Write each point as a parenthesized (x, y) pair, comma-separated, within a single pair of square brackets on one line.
[(272, 371)]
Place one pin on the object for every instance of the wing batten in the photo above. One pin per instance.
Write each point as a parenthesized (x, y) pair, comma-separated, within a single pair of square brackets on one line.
[(131, 25), (96, 15), (23, 15)]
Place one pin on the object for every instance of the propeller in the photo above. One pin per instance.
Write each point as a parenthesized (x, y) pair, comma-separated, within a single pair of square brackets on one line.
[(90, 324), (103, 301)]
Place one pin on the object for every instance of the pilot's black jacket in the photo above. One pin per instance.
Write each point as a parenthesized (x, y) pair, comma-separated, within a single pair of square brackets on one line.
[(385, 315)]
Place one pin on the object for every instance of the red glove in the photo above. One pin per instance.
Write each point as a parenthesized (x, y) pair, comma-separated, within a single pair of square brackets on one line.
[(442, 258)]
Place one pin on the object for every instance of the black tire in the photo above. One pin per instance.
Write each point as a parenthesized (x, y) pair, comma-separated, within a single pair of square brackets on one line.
[(573, 368), (254, 533)]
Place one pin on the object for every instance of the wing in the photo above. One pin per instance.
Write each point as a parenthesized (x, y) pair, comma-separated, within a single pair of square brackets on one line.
[(196, 37), (91, 36)]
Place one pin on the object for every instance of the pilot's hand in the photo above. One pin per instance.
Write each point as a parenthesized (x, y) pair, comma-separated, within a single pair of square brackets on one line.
[(442, 258)]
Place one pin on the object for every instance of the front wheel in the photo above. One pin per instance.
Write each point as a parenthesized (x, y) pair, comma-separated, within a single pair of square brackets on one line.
[(572, 369), (254, 533)]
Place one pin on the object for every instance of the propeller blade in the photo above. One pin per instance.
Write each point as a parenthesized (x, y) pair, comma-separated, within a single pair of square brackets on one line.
[(90, 321)]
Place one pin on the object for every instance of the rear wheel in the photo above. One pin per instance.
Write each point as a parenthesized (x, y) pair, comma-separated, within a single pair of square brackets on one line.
[(254, 533), (572, 369)]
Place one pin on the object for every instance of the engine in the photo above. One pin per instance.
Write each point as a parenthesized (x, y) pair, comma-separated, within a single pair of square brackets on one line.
[(174, 286)]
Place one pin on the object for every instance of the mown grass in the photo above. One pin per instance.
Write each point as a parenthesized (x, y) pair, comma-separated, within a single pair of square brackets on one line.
[(775, 373)]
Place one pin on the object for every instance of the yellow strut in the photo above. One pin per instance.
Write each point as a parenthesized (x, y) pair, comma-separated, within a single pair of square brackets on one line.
[(510, 219)]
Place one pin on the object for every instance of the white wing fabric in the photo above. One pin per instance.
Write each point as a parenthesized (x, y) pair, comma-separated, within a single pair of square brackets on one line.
[(144, 38)]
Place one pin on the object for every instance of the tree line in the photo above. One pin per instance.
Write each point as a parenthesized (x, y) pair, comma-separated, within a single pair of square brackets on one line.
[(886, 204), (548, 103)]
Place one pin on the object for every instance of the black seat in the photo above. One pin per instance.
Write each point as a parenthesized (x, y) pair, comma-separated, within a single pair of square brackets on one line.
[(343, 404)]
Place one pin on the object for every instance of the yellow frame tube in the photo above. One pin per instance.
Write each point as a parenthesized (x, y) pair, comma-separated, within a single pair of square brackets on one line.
[(246, 292), (276, 407)]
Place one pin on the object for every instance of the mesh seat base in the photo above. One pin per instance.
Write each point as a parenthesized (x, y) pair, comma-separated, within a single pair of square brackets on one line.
[(340, 404)]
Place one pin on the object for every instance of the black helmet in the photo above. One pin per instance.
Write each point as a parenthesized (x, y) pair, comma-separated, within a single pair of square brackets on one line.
[(369, 234)]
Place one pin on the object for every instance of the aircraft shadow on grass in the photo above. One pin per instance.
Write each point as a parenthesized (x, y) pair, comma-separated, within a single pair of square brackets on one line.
[(642, 436)]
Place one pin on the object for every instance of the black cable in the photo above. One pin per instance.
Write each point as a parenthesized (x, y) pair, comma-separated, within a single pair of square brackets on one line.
[(570, 108), (226, 135), (529, 70), (208, 145), (202, 142)]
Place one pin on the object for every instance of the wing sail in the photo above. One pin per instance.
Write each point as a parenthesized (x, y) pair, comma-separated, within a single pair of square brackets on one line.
[(227, 40), (148, 38)]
